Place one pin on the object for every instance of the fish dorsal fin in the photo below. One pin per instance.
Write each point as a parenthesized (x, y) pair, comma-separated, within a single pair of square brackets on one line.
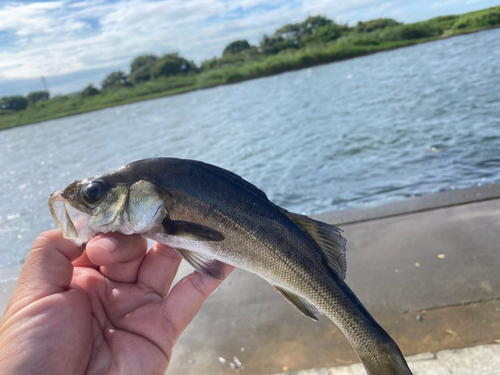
[(301, 304), (186, 229), (203, 264), (328, 239)]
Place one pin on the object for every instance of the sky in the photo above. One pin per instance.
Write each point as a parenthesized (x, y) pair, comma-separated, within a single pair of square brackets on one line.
[(76, 42)]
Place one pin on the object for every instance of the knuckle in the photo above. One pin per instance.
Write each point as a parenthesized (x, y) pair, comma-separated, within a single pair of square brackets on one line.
[(201, 283), (166, 251)]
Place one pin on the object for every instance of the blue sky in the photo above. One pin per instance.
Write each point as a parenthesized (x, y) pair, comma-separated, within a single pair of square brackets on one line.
[(75, 42)]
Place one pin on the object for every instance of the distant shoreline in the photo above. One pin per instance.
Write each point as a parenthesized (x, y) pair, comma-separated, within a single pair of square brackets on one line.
[(303, 58)]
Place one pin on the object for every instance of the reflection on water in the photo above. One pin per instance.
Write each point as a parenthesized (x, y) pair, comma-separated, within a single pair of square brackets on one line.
[(389, 126)]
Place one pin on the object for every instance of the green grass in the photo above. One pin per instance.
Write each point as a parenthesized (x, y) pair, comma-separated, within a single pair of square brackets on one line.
[(253, 64)]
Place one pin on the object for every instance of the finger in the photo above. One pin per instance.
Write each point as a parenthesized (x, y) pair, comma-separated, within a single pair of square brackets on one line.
[(111, 248), (186, 298), (159, 268), (46, 271), (84, 261), (119, 256)]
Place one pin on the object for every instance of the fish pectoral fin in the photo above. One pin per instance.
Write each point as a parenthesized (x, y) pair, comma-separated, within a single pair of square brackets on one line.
[(301, 304), (328, 239), (190, 230), (203, 264)]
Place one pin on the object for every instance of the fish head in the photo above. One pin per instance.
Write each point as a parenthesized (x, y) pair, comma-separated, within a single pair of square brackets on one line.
[(112, 202)]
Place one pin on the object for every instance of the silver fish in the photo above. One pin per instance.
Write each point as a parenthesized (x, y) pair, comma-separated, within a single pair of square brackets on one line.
[(210, 215)]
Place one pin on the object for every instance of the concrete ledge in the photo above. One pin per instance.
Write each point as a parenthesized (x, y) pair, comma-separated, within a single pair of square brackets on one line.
[(418, 204), (483, 359)]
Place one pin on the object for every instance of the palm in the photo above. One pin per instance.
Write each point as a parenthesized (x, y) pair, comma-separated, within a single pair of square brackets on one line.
[(131, 330), (114, 317)]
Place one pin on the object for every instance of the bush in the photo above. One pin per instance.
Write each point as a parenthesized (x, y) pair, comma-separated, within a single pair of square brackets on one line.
[(293, 35), (37, 96), (235, 47), (444, 18), (90, 90), (324, 34), (487, 18), (230, 61), (443, 22), (163, 84), (142, 61), (379, 23), (141, 75), (140, 68), (235, 77), (410, 31), (171, 64), (365, 42), (115, 79), (273, 45), (15, 103), (60, 98)]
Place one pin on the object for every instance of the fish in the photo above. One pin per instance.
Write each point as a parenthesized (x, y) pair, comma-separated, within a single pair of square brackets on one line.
[(210, 215)]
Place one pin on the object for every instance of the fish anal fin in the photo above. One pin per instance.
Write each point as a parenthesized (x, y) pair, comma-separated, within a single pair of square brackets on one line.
[(328, 239), (301, 304), (203, 264), (190, 230)]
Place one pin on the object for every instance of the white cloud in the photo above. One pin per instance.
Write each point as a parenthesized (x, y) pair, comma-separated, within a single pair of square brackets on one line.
[(53, 38), (66, 36), (443, 3), (26, 19)]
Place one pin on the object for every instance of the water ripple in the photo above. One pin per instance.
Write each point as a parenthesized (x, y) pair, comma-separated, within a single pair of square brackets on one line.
[(389, 126)]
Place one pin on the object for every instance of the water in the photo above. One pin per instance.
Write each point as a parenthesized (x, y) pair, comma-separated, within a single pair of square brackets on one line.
[(364, 131)]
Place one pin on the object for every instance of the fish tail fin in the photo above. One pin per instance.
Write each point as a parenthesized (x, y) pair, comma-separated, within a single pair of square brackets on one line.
[(377, 351), (390, 362)]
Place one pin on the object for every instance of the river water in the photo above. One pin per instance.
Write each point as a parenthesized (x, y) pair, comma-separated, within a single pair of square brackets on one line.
[(364, 131)]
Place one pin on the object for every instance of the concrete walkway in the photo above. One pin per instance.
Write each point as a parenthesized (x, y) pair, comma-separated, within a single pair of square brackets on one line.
[(483, 360)]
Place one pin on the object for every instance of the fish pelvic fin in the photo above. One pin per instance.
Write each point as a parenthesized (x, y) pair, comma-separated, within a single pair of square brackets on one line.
[(328, 239), (301, 304), (203, 264)]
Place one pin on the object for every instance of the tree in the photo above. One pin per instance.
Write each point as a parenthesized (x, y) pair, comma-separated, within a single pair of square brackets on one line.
[(270, 45), (236, 47), (90, 90), (314, 22), (209, 64), (118, 78), (140, 68), (379, 23), (296, 35), (299, 30), (16, 102), (37, 96), (142, 61), (323, 34), (171, 64)]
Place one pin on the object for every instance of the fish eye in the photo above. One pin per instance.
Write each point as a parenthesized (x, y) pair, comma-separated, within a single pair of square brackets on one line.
[(94, 191)]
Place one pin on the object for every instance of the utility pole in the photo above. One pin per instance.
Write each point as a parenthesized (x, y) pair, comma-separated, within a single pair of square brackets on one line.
[(44, 82)]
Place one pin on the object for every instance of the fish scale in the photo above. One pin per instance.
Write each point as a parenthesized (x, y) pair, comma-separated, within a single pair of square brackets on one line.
[(210, 215)]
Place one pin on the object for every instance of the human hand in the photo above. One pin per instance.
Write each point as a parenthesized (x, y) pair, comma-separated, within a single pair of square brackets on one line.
[(106, 310)]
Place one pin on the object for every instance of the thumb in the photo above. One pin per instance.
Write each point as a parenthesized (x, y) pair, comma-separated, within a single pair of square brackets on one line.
[(46, 271)]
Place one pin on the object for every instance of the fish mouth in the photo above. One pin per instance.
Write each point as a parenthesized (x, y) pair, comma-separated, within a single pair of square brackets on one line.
[(74, 224)]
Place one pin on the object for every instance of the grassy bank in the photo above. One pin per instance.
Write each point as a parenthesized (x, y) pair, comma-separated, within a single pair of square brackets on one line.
[(289, 48)]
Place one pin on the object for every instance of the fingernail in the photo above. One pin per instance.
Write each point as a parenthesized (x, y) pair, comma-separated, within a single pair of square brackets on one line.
[(108, 244)]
